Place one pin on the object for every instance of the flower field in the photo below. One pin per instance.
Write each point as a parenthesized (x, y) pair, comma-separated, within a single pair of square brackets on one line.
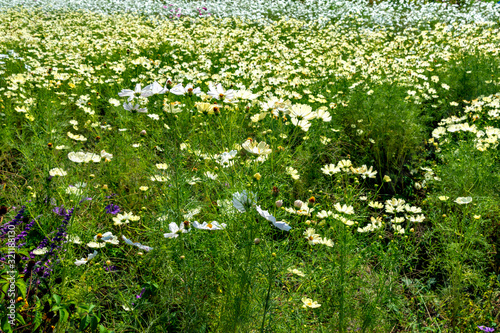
[(249, 166)]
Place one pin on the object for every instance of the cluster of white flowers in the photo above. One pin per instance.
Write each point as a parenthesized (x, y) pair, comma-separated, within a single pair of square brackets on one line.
[(391, 14)]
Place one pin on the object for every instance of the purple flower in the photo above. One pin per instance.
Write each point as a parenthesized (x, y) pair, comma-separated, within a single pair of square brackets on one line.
[(486, 329), (141, 293), (112, 209), (85, 199), (60, 211)]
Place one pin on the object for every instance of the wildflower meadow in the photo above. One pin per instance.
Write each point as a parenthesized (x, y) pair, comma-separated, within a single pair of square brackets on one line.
[(249, 166)]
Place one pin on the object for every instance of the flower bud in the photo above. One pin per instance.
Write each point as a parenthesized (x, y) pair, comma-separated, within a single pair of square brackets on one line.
[(298, 203), (279, 203), (257, 176), (182, 257), (256, 241), (143, 132)]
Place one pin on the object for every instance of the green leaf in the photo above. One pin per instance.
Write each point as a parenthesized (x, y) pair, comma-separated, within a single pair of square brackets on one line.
[(37, 321), (57, 298), (93, 323), (6, 325), (21, 286), (103, 329), (64, 315), (84, 323), (20, 319)]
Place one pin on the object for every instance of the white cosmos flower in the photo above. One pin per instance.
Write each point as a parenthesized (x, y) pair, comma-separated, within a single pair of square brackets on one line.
[(179, 90), (76, 137), (114, 102), (85, 260), (302, 112), (276, 106), (323, 115), (219, 93), (125, 218), (344, 209), (211, 175), (245, 94), (155, 88), (175, 230), (159, 178), (225, 159), (57, 172), (106, 156), (81, 157), (463, 200), (312, 237), (296, 272), (309, 303), (39, 252), (242, 201), (136, 93), (100, 240), (330, 169), (293, 173), (134, 108), (139, 245), (302, 123), (214, 225), (253, 147), (278, 224), (162, 166)]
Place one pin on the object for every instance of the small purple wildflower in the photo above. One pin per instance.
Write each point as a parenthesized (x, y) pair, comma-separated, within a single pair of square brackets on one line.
[(112, 209), (486, 329), (60, 211), (141, 293), (85, 199)]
